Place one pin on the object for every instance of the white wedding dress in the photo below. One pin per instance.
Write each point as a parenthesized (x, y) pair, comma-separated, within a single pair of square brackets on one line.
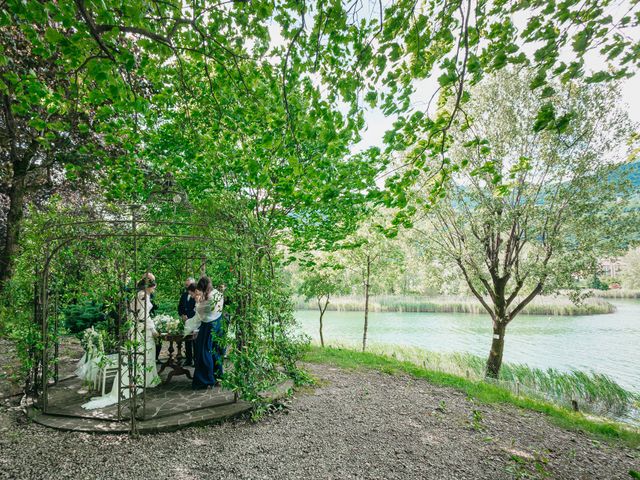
[(89, 365), (139, 312)]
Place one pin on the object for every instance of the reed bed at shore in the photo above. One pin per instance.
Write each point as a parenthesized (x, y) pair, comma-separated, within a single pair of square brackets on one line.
[(553, 306), (593, 392), (616, 293)]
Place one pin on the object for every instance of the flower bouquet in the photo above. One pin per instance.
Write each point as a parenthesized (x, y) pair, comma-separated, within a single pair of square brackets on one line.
[(95, 358), (92, 342), (169, 325)]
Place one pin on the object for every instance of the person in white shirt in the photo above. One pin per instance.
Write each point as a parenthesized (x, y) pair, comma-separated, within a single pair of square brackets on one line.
[(208, 322)]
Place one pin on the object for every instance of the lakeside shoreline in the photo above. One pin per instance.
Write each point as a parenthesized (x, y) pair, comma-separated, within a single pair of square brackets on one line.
[(552, 306), (483, 391), (595, 393)]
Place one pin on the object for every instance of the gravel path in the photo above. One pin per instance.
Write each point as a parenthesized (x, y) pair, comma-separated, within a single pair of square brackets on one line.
[(355, 425)]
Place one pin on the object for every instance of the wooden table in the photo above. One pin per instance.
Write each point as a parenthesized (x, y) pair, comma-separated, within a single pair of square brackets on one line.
[(174, 362)]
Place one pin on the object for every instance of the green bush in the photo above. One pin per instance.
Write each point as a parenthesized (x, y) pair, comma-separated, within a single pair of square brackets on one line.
[(598, 284), (165, 305), (79, 317)]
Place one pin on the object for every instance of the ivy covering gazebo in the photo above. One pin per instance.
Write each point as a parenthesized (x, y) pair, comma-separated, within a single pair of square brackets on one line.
[(103, 256)]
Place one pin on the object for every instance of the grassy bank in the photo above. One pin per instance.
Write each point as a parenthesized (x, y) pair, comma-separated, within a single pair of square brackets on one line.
[(594, 393), (392, 303), (479, 390)]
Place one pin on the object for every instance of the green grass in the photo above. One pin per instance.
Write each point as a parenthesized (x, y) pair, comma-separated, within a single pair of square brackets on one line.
[(595, 393), (479, 390), (403, 303)]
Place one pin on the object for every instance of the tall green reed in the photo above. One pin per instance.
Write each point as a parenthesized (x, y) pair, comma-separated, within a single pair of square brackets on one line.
[(554, 306)]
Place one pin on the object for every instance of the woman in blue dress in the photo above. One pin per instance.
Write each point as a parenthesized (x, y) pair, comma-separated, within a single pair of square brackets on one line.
[(208, 322)]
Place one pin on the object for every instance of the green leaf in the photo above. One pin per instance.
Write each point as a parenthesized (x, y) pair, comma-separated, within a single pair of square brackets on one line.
[(546, 116), (581, 41), (563, 122), (598, 77), (371, 98), (53, 36), (547, 92), (447, 79), (539, 80)]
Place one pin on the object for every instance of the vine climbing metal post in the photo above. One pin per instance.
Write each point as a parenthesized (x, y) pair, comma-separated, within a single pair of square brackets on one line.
[(33, 383), (203, 266), (131, 336), (57, 338)]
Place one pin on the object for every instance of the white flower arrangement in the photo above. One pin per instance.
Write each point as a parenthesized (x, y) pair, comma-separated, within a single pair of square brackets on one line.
[(92, 341), (95, 358), (168, 324)]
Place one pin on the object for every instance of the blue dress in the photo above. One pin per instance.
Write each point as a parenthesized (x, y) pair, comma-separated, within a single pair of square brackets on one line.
[(207, 352), (203, 357)]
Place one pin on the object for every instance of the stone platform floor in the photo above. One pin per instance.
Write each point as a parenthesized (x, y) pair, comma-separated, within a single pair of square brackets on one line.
[(168, 407), (67, 396)]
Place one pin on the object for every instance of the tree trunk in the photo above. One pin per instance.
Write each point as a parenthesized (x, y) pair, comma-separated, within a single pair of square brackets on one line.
[(17, 193), (494, 362), (322, 310), (366, 304), (321, 337)]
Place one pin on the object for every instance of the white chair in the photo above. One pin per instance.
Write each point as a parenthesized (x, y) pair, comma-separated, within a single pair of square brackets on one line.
[(107, 371)]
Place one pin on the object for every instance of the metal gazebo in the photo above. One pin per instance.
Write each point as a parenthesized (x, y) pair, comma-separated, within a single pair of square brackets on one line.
[(131, 351)]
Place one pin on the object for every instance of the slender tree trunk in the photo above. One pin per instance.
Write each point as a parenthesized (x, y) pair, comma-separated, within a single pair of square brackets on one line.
[(494, 362), (17, 193), (322, 310), (366, 304)]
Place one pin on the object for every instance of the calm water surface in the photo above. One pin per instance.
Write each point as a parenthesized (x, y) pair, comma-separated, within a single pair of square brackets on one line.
[(607, 344)]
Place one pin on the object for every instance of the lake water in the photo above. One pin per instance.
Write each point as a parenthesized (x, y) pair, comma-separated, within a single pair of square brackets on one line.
[(608, 344)]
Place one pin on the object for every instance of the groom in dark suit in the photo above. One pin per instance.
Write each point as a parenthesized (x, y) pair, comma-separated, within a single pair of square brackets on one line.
[(187, 309)]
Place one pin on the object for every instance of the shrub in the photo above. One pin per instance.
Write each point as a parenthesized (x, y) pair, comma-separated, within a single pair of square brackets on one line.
[(79, 317)]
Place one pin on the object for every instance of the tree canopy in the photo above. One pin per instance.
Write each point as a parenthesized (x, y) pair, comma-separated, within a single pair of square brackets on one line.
[(533, 208), (250, 114), (84, 83)]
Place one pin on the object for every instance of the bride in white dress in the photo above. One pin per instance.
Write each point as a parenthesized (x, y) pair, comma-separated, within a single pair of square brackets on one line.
[(139, 314)]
